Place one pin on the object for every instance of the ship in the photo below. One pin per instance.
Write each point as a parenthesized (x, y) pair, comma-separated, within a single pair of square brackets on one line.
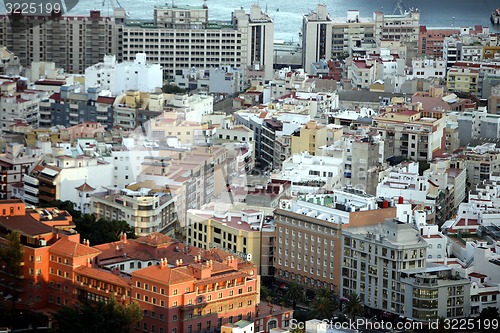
[(495, 16)]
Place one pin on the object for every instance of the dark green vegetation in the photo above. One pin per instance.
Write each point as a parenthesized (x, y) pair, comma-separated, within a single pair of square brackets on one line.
[(96, 231), (86, 317)]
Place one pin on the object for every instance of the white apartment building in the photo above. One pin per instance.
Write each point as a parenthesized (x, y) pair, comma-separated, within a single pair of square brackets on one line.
[(19, 106), (245, 42), (310, 174), (194, 108), (128, 75), (127, 160), (373, 259), (423, 68), (143, 210)]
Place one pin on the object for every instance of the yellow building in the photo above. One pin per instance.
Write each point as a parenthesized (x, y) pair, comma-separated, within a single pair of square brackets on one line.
[(310, 138), (240, 233), (462, 79)]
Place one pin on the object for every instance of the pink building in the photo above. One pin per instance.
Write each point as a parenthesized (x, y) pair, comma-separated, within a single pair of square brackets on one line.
[(430, 40), (86, 130)]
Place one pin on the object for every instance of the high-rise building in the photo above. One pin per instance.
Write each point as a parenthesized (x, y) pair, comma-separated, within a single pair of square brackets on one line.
[(183, 37), (72, 42)]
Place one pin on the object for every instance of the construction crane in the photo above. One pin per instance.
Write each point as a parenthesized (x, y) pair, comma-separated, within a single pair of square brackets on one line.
[(111, 3), (399, 8)]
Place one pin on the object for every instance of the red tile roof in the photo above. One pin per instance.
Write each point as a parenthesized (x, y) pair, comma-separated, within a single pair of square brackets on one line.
[(102, 275), (165, 275), (72, 249), (85, 188)]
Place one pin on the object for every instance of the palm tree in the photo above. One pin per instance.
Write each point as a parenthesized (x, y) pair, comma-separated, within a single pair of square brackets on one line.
[(324, 304), (295, 293), (354, 306)]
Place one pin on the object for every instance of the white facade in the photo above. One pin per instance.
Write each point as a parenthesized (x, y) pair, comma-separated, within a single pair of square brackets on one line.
[(126, 161), (405, 183), (310, 173), (74, 171), (120, 77), (143, 210), (23, 107), (245, 42), (423, 68), (194, 107)]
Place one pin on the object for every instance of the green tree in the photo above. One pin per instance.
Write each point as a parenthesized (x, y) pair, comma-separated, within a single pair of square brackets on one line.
[(64, 205), (172, 89), (354, 306), (488, 315), (11, 253), (323, 304), (264, 292), (295, 293), (87, 317), (101, 231)]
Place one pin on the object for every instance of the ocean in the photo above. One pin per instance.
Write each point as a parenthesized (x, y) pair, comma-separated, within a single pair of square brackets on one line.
[(287, 15)]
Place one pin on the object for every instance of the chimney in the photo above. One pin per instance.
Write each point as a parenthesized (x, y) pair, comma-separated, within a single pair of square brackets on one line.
[(180, 262), (124, 237), (88, 243), (177, 263)]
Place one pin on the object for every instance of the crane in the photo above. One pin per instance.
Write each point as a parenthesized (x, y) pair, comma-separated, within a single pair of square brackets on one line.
[(110, 3)]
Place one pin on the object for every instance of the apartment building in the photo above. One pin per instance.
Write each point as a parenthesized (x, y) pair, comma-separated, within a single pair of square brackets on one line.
[(308, 246), (309, 138), (248, 234), (317, 36), (143, 209), (58, 179), (68, 107), (120, 77), (372, 260), (72, 42), (246, 42), (480, 161), (327, 38), (435, 292), (404, 26), (416, 133), (423, 68), (310, 174), (14, 164), (22, 106), (463, 80)]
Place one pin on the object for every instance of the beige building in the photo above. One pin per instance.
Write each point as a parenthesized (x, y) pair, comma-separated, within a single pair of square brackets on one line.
[(309, 138), (248, 234), (308, 246), (463, 79)]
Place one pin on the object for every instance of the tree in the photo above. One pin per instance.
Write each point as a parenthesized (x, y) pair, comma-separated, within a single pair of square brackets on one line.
[(172, 89), (11, 253), (488, 315), (354, 306), (101, 231), (87, 317), (264, 292), (64, 205), (295, 293), (323, 304)]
